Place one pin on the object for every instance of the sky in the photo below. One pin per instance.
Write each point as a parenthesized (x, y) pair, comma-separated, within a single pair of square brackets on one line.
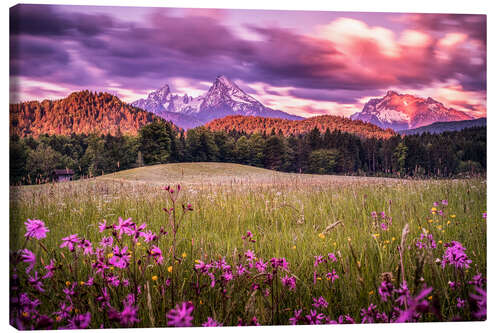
[(302, 62)]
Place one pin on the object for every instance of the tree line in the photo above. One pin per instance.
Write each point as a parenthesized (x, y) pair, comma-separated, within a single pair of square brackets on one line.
[(448, 154)]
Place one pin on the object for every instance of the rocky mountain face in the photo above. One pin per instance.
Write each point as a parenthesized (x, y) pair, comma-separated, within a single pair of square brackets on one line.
[(224, 98), (404, 111)]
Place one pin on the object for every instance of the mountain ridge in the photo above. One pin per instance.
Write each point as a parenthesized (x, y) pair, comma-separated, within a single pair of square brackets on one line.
[(256, 124), (81, 112), (223, 98), (440, 127), (405, 111)]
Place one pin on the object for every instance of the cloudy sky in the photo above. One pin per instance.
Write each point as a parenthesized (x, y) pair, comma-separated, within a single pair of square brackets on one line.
[(302, 62)]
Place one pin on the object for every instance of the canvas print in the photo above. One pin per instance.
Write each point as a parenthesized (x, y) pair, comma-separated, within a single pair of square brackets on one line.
[(212, 167)]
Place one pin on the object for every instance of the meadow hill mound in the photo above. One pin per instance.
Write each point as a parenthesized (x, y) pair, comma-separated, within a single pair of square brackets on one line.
[(82, 112), (216, 173), (251, 124)]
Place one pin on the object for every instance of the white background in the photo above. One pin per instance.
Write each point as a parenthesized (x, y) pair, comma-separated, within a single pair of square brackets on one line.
[(490, 8)]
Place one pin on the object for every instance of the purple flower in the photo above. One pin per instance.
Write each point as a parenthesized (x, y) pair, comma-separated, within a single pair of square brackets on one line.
[(320, 302), (227, 276), (374, 214), (452, 285), (383, 226), (315, 318), (444, 202), (332, 275), (149, 236), (241, 270), (181, 316), (120, 258), (279, 262), (455, 256), (460, 303), (385, 290), (29, 257), (36, 282), (102, 226), (382, 215), (113, 280), (79, 321), (403, 294), (346, 319), (332, 257), (86, 245), (211, 323), (318, 260), (260, 266), (201, 266), (128, 316), (124, 226), (297, 316), (106, 241), (156, 253), (479, 300), (289, 282), (64, 312), (70, 242), (436, 203), (35, 229), (416, 306), (484, 215), (372, 315), (478, 280), (50, 268)]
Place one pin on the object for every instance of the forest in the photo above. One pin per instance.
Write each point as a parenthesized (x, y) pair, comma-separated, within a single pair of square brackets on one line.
[(450, 154)]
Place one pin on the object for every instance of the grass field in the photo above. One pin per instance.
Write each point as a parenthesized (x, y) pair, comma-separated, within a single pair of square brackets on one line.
[(291, 216)]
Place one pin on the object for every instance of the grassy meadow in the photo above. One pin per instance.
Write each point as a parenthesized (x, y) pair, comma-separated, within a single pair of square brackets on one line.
[(291, 216)]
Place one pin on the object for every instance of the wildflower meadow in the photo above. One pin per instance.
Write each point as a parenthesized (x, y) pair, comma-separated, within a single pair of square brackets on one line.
[(107, 254)]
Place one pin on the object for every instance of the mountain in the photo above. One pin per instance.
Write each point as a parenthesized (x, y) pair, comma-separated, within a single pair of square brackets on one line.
[(222, 99), (403, 111), (440, 127), (253, 124), (81, 112)]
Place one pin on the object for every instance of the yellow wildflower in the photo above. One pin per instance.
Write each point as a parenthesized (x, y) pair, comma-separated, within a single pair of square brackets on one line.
[(393, 239), (318, 278), (294, 247), (68, 283), (201, 301), (453, 216), (25, 314), (429, 298), (82, 283), (440, 241), (321, 235), (138, 244), (154, 278), (184, 255), (448, 222), (110, 255), (430, 221), (371, 292), (169, 269), (434, 209)]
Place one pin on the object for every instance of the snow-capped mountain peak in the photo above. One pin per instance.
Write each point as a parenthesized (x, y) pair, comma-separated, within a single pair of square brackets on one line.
[(404, 111), (222, 99)]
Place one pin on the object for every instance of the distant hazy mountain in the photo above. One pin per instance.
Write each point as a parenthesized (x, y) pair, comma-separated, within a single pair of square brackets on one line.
[(251, 124), (441, 127), (222, 99), (82, 112), (403, 111)]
